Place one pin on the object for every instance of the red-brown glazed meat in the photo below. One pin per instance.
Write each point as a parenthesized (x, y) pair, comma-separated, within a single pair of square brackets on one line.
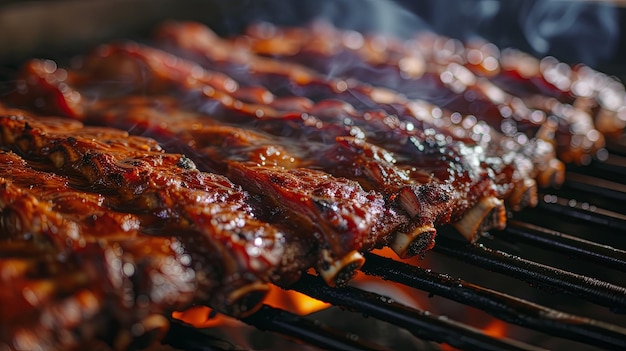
[(145, 232), (415, 69), (288, 79), (239, 162), (430, 154)]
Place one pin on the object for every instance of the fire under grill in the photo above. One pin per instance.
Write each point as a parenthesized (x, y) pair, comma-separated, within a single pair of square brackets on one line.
[(586, 262)]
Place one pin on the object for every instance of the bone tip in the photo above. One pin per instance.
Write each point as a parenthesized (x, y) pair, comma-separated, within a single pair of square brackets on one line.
[(524, 195), (609, 123), (489, 213), (154, 328), (553, 175), (244, 300), (416, 242), (340, 271)]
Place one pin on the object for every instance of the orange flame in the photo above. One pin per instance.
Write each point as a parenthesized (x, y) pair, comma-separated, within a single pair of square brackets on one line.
[(496, 328), (415, 261), (205, 317), (386, 252), (293, 301), (446, 347), (202, 317), (488, 324)]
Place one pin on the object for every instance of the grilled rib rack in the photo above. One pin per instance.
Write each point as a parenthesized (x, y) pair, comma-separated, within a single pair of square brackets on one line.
[(584, 220), (577, 230)]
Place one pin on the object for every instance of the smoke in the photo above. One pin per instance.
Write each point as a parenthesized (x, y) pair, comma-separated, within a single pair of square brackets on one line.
[(380, 16), (576, 31), (571, 30)]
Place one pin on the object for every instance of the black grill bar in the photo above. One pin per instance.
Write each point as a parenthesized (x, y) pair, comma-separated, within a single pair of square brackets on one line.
[(602, 187), (189, 338), (615, 147), (560, 242), (582, 211), (508, 308), (554, 279), (287, 323), (612, 167), (613, 163), (420, 323)]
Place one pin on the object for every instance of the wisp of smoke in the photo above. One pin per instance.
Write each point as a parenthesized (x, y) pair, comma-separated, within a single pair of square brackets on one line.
[(571, 30)]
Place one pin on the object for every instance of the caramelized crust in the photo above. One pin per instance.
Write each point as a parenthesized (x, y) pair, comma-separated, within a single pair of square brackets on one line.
[(287, 79), (165, 234), (439, 70)]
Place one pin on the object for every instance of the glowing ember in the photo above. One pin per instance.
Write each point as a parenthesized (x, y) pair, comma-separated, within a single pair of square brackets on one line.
[(202, 317), (446, 347), (293, 301), (496, 328), (205, 317)]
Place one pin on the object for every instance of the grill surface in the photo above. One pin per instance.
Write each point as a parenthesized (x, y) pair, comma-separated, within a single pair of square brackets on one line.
[(581, 242)]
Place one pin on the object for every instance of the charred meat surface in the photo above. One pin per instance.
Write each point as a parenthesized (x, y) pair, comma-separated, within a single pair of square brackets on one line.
[(417, 146), (298, 83), (165, 235), (424, 68)]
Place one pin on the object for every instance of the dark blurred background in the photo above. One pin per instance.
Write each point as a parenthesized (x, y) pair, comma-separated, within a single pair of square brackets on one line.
[(577, 31), (591, 32)]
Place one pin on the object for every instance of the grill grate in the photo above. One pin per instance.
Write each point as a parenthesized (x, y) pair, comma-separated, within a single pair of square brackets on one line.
[(503, 306), (568, 244), (277, 320), (600, 180), (543, 276), (602, 187), (420, 323), (582, 211)]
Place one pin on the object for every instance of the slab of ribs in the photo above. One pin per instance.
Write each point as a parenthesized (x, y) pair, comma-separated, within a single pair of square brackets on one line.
[(144, 178)]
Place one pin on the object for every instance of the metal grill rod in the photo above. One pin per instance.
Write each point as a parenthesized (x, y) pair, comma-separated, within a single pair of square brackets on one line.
[(189, 338), (615, 146), (558, 280), (613, 163), (420, 323), (582, 211), (560, 242), (599, 186), (283, 322), (508, 308), (272, 319)]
